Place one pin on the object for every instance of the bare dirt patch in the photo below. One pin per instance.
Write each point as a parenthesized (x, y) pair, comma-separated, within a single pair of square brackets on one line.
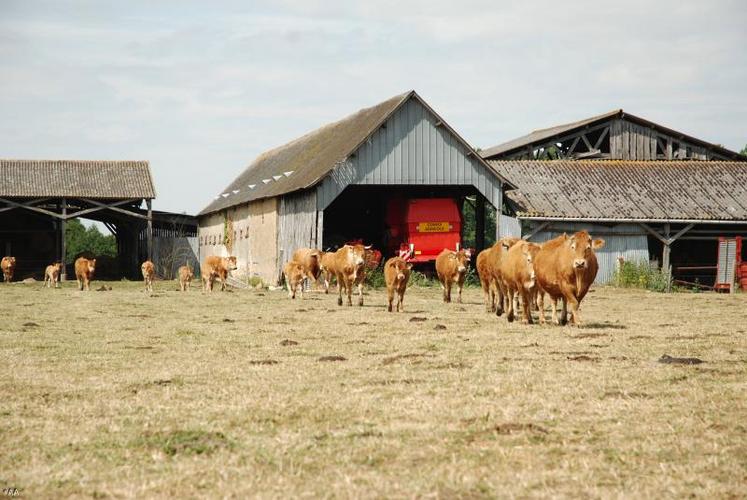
[(669, 360)]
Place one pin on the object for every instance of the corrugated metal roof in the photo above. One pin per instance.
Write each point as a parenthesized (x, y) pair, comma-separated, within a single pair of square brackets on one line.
[(627, 189), (545, 134), (302, 163), (100, 179)]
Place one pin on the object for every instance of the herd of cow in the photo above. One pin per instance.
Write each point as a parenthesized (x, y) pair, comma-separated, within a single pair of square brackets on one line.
[(510, 271)]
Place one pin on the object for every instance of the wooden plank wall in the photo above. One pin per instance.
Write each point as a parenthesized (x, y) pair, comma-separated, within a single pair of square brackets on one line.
[(630, 141), (297, 224)]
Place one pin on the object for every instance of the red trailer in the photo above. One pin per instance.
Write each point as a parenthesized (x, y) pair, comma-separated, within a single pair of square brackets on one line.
[(421, 228)]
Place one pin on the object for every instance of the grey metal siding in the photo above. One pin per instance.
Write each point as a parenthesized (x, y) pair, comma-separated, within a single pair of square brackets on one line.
[(625, 240), (410, 149)]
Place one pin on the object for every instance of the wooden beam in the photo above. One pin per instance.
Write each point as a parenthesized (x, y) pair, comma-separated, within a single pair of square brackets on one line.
[(653, 232), (536, 230), (100, 206), (63, 250), (681, 232), (116, 209), (150, 230), (605, 131), (480, 223), (586, 141), (30, 207), (573, 147)]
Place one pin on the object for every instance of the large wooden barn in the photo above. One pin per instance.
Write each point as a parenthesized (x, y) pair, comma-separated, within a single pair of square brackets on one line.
[(330, 185), (647, 189)]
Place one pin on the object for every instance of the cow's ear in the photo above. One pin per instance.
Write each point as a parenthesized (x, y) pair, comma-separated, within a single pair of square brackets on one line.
[(409, 267), (569, 241), (597, 244), (468, 253)]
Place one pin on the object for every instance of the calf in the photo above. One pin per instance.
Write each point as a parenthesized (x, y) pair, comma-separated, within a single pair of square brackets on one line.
[(451, 268), (517, 272), (294, 273), (566, 267), (8, 265), (396, 276), (217, 268), (149, 274), (84, 270), (185, 277), (348, 266), (310, 260), (52, 275)]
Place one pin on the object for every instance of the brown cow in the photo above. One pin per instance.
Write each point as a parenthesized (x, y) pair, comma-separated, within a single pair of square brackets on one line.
[(52, 275), (348, 265), (310, 259), (396, 276), (451, 268), (8, 265), (566, 267), (294, 273), (216, 267), (489, 270), (325, 264), (517, 272), (185, 277), (149, 274), (84, 269)]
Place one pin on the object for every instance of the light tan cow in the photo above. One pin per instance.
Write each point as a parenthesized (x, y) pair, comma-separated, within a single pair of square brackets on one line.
[(52, 275), (325, 264), (217, 268), (149, 274), (566, 267), (8, 265), (451, 268), (84, 270), (396, 276), (294, 273), (517, 272), (185, 277), (488, 266), (348, 266), (310, 259)]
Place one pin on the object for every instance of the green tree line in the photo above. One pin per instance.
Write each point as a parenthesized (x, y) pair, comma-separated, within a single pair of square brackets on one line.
[(79, 239)]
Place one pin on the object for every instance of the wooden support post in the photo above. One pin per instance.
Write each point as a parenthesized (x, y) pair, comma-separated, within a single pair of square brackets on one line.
[(665, 257), (150, 230), (480, 223), (63, 246)]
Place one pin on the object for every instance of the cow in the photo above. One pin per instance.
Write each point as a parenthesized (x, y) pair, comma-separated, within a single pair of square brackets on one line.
[(451, 268), (348, 265), (149, 274), (294, 273), (566, 267), (52, 275), (310, 259), (84, 270), (185, 277), (488, 266), (519, 278), (8, 265), (325, 264), (396, 276), (216, 267)]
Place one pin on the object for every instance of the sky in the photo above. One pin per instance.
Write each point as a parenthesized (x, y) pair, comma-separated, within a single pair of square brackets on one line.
[(199, 89)]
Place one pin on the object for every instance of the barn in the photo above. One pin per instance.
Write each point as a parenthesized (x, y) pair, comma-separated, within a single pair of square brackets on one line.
[(332, 184), (654, 194), (38, 197)]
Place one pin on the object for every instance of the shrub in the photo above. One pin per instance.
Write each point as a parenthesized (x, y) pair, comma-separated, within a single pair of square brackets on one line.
[(641, 275)]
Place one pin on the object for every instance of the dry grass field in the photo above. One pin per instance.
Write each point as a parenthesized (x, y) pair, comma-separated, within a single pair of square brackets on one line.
[(245, 393)]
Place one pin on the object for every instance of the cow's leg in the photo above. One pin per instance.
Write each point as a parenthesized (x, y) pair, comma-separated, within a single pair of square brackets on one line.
[(573, 302), (541, 306), (563, 312), (526, 306), (460, 285), (499, 307), (326, 277), (360, 293), (349, 291), (485, 283), (448, 291), (390, 298), (401, 298), (510, 301), (339, 290)]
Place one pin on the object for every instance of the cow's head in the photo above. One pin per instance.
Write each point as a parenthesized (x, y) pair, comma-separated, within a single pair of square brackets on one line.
[(57, 266), (582, 248), (529, 252), (231, 263), (507, 242), (462, 260), (356, 255), (91, 265), (402, 267), (12, 260)]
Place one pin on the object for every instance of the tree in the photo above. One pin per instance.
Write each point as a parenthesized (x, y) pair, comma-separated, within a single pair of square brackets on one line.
[(79, 239), (744, 151)]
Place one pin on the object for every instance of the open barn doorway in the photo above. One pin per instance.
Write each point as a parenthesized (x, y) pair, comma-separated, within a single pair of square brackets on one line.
[(372, 214)]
